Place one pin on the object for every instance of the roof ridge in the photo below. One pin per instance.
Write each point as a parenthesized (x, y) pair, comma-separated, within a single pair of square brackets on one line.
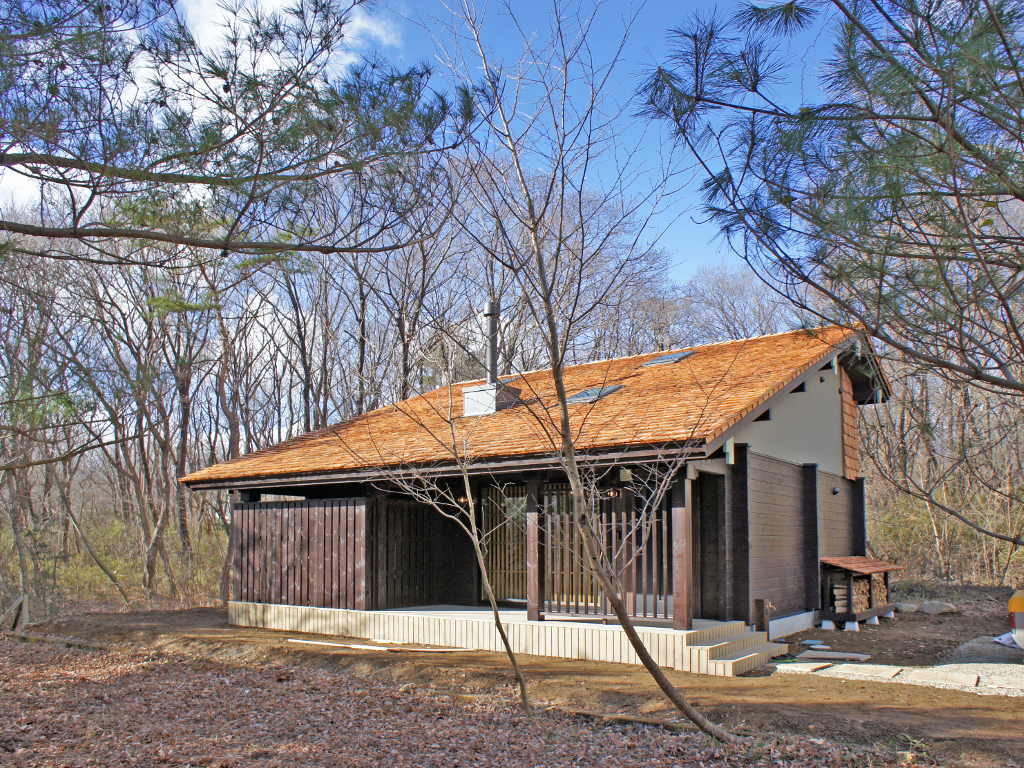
[(575, 366)]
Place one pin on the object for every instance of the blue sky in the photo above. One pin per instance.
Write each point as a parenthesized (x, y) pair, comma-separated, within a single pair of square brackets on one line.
[(403, 32)]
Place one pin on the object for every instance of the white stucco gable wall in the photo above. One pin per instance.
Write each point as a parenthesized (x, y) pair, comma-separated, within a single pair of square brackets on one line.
[(805, 427)]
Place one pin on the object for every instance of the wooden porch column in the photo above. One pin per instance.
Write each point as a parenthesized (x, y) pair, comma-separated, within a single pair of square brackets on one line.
[(681, 609), (534, 553), (812, 563)]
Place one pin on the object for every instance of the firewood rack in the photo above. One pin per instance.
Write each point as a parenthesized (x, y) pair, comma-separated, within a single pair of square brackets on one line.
[(850, 572)]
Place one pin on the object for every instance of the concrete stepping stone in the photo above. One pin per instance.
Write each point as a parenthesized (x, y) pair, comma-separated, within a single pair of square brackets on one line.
[(802, 667), (832, 656), (1013, 683), (940, 675), (870, 670)]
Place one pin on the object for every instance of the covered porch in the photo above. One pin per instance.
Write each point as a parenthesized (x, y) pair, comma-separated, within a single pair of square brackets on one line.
[(389, 552)]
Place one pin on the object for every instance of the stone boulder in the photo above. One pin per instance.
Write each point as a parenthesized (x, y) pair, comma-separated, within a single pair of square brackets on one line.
[(907, 607), (935, 607)]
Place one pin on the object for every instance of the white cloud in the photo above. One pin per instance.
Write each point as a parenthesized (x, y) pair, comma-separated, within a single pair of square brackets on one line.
[(17, 192), (208, 20)]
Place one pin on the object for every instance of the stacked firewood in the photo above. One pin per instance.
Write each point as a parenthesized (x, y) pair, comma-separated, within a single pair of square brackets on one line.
[(881, 593), (860, 597)]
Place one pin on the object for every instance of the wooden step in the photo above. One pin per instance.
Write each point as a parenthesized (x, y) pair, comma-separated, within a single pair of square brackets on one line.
[(701, 654), (744, 660), (716, 631)]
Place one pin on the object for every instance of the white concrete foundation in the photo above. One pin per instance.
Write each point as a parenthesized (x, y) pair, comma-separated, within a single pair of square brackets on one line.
[(851, 626), (787, 625), (711, 647)]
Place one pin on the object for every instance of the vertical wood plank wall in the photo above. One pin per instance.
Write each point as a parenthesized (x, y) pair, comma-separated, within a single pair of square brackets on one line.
[(308, 553), (795, 518), (738, 481), (416, 556)]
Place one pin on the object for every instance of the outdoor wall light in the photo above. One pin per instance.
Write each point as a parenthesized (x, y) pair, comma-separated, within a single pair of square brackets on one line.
[(835, 491), (463, 500), (612, 493)]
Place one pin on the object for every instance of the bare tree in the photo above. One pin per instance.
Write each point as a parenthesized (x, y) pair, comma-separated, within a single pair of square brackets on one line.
[(549, 123)]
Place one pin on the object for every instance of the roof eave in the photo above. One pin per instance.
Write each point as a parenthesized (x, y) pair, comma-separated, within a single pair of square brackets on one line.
[(602, 459)]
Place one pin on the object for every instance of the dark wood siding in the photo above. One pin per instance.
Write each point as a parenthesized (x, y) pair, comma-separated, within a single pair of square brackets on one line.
[(301, 553), (840, 523), (775, 530), (418, 557)]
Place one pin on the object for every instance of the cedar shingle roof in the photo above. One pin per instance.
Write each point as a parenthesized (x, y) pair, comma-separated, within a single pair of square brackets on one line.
[(694, 400)]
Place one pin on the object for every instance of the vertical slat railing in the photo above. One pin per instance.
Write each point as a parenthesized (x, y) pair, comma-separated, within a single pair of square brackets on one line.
[(637, 544)]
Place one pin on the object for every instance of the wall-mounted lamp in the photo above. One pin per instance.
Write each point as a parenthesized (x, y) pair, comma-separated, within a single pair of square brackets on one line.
[(612, 493), (463, 500), (835, 491)]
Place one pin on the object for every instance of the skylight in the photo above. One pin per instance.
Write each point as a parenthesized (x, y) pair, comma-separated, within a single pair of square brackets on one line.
[(593, 395), (671, 357)]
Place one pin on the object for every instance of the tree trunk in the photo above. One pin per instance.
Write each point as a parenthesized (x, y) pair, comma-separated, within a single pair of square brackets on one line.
[(180, 464), (475, 539), (95, 558)]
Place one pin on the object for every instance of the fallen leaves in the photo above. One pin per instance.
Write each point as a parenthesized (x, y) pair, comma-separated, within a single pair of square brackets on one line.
[(69, 707)]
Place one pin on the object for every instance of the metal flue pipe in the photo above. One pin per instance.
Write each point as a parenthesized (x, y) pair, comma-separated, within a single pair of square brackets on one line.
[(491, 310)]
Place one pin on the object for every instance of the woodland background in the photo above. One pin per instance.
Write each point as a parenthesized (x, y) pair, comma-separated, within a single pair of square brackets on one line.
[(183, 367)]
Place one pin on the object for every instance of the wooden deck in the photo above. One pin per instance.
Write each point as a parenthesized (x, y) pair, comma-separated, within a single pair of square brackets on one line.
[(711, 647)]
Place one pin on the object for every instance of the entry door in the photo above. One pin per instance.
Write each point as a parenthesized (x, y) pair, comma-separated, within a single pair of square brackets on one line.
[(708, 546)]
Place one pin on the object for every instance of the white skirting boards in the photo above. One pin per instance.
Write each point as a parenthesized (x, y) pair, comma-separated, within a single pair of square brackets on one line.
[(562, 639)]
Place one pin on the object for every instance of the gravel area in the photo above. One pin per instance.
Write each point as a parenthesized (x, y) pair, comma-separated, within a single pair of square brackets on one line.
[(985, 650), (74, 707)]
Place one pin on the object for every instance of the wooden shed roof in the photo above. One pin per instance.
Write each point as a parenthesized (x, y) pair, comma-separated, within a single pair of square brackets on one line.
[(694, 401), (865, 566)]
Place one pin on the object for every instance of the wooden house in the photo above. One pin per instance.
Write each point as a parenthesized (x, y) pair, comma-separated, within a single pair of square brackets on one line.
[(761, 436)]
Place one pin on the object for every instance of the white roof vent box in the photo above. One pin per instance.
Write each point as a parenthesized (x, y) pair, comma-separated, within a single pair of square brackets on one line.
[(494, 395), (484, 399)]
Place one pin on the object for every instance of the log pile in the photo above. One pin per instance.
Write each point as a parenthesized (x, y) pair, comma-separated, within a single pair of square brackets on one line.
[(878, 585), (860, 597), (861, 588)]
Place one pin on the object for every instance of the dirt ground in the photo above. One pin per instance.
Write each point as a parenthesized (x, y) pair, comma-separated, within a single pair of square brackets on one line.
[(946, 727)]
